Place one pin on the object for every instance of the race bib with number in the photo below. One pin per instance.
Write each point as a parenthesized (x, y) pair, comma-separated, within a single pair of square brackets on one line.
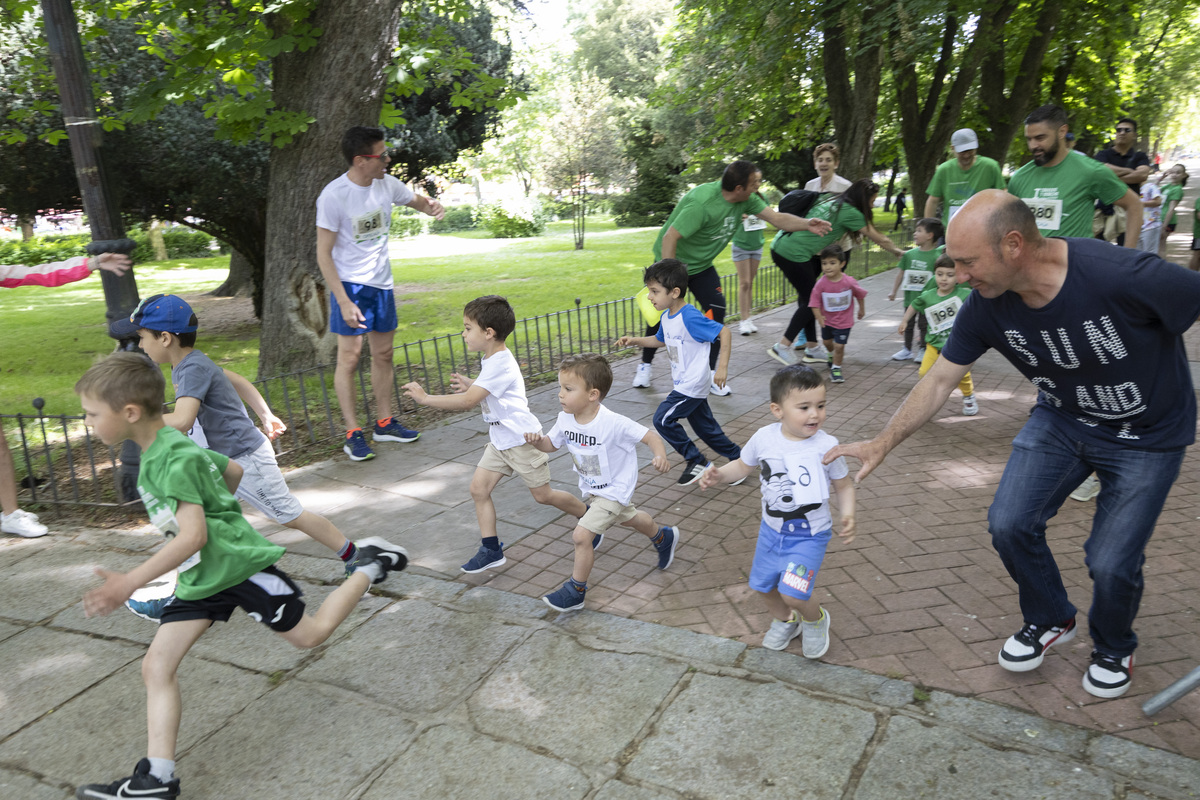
[(753, 223), (839, 301), (369, 226), (1046, 210), (940, 316), (809, 482), (915, 280)]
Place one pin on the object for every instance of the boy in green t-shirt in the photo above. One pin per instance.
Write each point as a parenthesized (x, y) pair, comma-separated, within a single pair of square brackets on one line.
[(223, 562), (940, 304), (914, 274)]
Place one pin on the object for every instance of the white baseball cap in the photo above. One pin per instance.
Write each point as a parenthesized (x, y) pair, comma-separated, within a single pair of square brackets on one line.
[(964, 139)]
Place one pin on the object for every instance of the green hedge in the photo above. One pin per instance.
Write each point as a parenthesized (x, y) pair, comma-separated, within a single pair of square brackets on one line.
[(458, 218), (514, 220), (180, 243), (406, 223)]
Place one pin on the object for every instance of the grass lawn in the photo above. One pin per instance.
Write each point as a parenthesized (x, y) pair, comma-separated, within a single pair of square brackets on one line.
[(49, 336)]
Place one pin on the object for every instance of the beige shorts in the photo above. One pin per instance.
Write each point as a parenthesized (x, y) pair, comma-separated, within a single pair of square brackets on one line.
[(603, 513), (525, 460)]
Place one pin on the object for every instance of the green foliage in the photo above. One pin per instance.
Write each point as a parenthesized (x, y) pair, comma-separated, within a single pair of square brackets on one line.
[(514, 220), (458, 218), (180, 242), (406, 223)]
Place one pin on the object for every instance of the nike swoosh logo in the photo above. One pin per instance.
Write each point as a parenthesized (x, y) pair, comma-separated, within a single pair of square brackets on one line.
[(125, 791)]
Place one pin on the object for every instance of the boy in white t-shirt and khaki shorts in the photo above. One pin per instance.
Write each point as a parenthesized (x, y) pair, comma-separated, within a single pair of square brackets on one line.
[(603, 446), (354, 216), (499, 391)]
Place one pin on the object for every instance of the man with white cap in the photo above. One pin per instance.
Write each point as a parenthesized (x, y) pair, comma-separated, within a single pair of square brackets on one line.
[(962, 176)]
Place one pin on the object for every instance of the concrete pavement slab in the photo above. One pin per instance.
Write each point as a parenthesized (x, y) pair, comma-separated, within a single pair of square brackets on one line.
[(43, 669), (647, 637), (1154, 770), (383, 471), (452, 764), (534, 697), (447, 540), (55, 580), (914, 760), (101, 732), (788, 744), (7, 630), (1007, 725), (616, 790), (830, 678), (485, 600), (14, 549), (303, 740), (16, 785), (416, 656)]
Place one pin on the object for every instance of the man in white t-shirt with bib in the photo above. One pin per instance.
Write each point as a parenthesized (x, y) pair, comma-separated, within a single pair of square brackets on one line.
[(354, 215)]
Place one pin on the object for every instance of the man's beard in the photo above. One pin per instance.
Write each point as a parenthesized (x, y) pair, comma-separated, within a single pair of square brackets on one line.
[(1047, 155)]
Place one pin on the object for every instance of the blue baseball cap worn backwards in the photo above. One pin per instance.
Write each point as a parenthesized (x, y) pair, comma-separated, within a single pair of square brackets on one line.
[(162, 312)]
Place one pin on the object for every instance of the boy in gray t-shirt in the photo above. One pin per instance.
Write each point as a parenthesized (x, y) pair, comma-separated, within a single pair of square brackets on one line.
[(212, 397)]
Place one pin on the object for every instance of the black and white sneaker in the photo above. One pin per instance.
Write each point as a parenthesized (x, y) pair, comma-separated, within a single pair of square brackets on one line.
[(140, 784), (392, 557), (1108, 676), (1025, 649), (692, 472)]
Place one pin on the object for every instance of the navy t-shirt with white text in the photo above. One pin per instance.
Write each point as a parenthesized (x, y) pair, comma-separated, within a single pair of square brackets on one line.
[(1107, 352)]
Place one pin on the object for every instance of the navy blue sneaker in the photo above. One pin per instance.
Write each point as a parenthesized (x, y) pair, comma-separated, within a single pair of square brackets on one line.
[(485, 559), (567, 598), (394, 432), (140, 784), (149, 609), (596, 540), (666, 550), (356, 447), (392, 557)]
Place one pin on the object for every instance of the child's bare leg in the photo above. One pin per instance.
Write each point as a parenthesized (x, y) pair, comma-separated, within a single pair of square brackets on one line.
[(160, 673), (482, 484), (585, 556), (775, 604), (563, 501), (828, 345), (319, 529), (315, 629), (839, 351), (781, 606), (643, 523)]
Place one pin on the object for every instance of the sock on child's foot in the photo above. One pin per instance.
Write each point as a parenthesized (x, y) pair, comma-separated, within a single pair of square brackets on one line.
[(579, 587), (372, 569), (162, 768), (348, 552), (659, 537), (491, 542)]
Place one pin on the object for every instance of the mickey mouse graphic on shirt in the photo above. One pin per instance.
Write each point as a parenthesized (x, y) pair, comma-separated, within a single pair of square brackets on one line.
[(779, 491)]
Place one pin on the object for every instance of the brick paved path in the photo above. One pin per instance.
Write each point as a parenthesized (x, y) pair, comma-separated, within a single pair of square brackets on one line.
[(920, 594)]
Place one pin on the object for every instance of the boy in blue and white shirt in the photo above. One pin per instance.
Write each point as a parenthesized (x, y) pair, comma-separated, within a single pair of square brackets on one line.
[(603, 447), (688, 336), (796, 525)]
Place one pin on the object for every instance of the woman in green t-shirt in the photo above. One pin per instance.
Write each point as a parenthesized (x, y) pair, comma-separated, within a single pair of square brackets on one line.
[(1174, 179), (796, 256)]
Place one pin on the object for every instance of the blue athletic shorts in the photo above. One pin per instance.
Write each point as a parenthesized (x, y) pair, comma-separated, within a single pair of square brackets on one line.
[(838, 335), (377, 305), (788, 561)]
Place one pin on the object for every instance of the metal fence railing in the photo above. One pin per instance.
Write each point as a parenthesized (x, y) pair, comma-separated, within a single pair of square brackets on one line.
[(63, 464)]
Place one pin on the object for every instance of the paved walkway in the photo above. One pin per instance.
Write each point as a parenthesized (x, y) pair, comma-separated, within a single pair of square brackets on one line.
[(464, 686)]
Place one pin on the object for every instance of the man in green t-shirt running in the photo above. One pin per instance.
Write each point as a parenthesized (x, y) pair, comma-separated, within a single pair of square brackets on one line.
[(1061, 186), (700, 227), (962, 176)]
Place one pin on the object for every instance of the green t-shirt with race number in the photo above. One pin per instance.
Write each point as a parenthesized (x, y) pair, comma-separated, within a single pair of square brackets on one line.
[(956, 187), (1172, 193), (917, 267), (706, 222), (747, 240), (802, 245), (940, 311), (1063, 197), (176, 470)]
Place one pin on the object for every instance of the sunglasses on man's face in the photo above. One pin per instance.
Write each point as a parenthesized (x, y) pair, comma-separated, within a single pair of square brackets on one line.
[(1124, 130)]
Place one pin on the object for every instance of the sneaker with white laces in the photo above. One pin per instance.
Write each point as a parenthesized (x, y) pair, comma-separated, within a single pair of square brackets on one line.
[(23, 524), (1026, 649), (641, 379), (719, 391), (394, 432), (1087, 490), (815, 636), (746, 327), (140, 784), (566, 598), (781, 632), (692, 472), (666, 549), (903, 354), (1108, 676), (970, 406), (485, 559), (392, 557), (356, 447), (781, 354)]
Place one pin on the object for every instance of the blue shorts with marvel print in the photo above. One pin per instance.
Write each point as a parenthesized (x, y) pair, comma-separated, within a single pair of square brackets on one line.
[(788, 560)]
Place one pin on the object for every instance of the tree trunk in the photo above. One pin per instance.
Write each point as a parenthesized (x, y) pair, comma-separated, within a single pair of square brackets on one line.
[(853, 107), (1004, 111), (157, 243), (340, 82), (26, 226), (240, 281)]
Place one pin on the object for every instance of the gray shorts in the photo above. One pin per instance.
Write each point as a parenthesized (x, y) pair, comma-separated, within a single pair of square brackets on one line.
[(745, 255), (263, 485)]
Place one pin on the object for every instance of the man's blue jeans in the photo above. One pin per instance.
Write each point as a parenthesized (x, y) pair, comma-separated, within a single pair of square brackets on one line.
[(1046, 465)]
